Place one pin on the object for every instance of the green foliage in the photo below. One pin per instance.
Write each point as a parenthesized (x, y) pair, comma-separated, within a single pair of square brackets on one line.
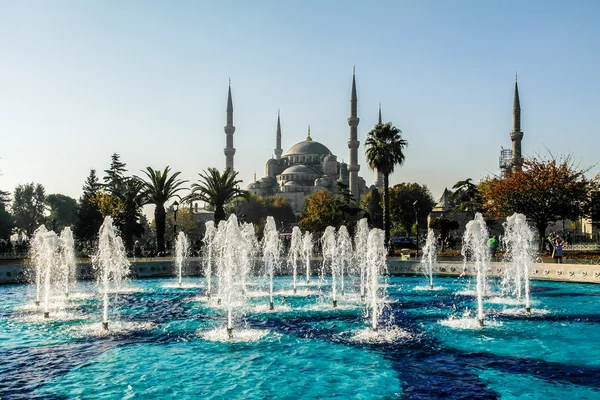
[(322, 209), (115, 175), (158, 188), (402, 205), (217, 189), (89, 218), (129, 200), (28, 207), (371, 203), (62, 210), (466, 197), (256, 210), (6, 222), (384, 151)]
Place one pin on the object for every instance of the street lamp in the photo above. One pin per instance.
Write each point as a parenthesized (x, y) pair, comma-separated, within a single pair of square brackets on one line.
[(176, 207), (416, 208)]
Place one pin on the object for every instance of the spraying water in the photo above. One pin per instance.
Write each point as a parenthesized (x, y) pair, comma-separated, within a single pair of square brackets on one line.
[(344, 248), (329, 258), (307, 252), (429, 257), (271, 253), (219, 246), (375, 257), (111, 263), (36, 256), (475, 246), (49, 258), (294, 253), (360, 245), (520, 248), (181, 253), (209, 237), (67, 251), (249, 247)]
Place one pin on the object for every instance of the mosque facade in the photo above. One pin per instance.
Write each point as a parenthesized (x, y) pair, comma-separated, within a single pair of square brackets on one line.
[(307, 167)]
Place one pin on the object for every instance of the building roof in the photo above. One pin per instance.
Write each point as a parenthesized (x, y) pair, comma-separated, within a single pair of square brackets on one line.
[(291, 183), (308, 147), (298, 169)]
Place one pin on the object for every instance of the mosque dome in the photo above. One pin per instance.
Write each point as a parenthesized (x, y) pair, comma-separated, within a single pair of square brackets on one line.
[(308, 146), (330, 157), (272, 161), (322, 181), (251, 185), (291, 183)]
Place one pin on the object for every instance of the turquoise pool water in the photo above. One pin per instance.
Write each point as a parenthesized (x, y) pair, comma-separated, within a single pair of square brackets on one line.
[(165, 342)]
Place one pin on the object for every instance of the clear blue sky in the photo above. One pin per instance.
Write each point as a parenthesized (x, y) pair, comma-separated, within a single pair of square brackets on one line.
[(80, 80)]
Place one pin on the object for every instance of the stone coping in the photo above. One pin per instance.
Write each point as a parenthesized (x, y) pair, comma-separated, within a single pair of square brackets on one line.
[(165, 267)]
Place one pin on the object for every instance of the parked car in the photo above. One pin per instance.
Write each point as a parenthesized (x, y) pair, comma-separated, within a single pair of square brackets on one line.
[(400, 243)]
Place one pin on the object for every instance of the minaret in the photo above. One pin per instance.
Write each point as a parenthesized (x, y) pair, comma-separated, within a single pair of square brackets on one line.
[(516, 135), (278, 150), (229, 130), (353, 142), (379, 176)]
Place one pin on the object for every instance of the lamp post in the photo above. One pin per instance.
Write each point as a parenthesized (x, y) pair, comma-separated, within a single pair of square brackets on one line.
[(175, 208), (416, 208)]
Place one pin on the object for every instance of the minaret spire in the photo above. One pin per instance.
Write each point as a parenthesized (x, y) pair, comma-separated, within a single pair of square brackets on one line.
[(229, 131), (379, 175), (516, 135), (278, 149), (353, 142)]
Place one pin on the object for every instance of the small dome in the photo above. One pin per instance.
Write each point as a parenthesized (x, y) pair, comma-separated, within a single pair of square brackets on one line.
[(322, 181), (291, 183), (251, 185), (298, 169), (272, 161), (330, 157)]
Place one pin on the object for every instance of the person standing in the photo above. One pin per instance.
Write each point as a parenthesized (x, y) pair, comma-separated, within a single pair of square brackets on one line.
[(493, 245), (558, 251)]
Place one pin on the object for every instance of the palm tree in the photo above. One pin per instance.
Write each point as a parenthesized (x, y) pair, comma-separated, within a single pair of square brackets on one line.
[(384, 151), (130, 198), (158, 188), (466, 197), (217, 189)]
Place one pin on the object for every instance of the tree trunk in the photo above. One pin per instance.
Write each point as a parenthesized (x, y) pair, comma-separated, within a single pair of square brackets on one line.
[(541, 227), (219, 215), (386, 208), (160, 217)]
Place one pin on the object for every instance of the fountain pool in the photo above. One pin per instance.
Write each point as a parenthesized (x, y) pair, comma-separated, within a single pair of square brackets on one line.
[(307, 348)]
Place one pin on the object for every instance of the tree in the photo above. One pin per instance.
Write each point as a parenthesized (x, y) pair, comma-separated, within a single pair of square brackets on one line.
[(466, 197), (62, 210), (384, 151), (321, 209), (89, 218), (28, 207), (371, 203), (402, 205), (129, 200), (257, 208), (158, 188), (217, 189), (445, 225), (545, 191), (115, 175)]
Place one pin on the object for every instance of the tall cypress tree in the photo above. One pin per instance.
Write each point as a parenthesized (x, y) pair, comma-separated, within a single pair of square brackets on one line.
[(89, 218), (115, 175)]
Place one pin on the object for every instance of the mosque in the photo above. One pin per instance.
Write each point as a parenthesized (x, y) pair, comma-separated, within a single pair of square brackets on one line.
[(308, 166)]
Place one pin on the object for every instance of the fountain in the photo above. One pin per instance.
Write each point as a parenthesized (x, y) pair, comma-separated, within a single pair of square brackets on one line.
[(250, 246), (475, 247), (376, 266), (49, 257), (110, 262), (67, 252), (360, 244), (428, 259), (307, 252), (295, 251), (329, 258), (520, 251), (37, 259), (271, 254), (345, 255), (218, 247), (209, 237), (181, 253)]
